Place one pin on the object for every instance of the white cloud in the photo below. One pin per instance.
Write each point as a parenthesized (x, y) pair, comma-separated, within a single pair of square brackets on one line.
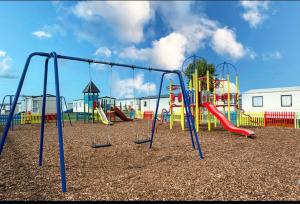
[(5, 66), (168, 52), (42, 34), (86, 35), (2, 53), (128, 88), (49, 30), (126, 17), (178, 15), (135, 54), (103, 51), (252, 54), (99, 67), (254, 12), (189, 32), (271, 56), (224, 43), (54, 29)]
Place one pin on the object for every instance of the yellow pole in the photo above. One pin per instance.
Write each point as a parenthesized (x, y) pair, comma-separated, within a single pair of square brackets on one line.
[(223, 91), (182, 113), (191, 88), (194, 88), (228, 96), (190, 85), (208, 113), (171, 108), (22, 118), (237, 101), (199, 90), (197, 101), (215, 101)]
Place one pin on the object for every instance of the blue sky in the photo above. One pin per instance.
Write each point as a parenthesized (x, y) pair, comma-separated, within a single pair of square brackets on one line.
[(260, 38)]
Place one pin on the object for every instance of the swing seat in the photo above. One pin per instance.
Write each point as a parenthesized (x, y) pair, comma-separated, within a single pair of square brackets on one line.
[(142, 141), (100, 145)]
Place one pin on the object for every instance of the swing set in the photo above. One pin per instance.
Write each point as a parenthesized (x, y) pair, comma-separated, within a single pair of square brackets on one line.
[(53, 55)]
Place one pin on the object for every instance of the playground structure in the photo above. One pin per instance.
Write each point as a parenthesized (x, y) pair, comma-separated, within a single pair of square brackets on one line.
[(211, 104), (48, 56), (173, 117), (203, 96)]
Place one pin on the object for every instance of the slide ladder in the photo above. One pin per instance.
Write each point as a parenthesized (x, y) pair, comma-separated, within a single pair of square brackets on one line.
[(225, 122), (103, 117)]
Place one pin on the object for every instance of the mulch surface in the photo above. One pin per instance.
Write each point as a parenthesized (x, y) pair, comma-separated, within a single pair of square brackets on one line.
[(234, 167)]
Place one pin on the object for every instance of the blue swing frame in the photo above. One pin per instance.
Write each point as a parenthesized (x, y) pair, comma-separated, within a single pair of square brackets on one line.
[(55, 57)]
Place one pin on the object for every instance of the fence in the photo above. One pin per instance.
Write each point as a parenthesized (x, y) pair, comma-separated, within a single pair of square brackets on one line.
[(285, 119), (16, 119), (256, 119), (297, 120), (252, 119), (24, 118), (271, 119), (36, 118), (259, 119), (139, 115)]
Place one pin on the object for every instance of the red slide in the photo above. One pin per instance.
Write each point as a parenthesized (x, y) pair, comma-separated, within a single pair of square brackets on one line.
[(225, 122), (121, 115)]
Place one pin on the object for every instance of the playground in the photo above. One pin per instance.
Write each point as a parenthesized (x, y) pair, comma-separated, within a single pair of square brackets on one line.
[(234, 167), (211, 150)]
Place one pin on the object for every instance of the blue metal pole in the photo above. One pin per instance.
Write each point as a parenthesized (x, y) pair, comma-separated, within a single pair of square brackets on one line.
[(43, 113), (187, 102), (11, 113), (188, 110), (156, 110), (59, 126)]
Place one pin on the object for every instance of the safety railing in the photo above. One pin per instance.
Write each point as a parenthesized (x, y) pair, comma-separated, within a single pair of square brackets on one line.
[(252, 119), (282, 119), (255, 119), (139, 114), (16, 119), (36, 118), (297, 120)]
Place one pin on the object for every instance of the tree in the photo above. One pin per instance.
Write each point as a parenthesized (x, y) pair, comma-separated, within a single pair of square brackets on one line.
[(202, 67)]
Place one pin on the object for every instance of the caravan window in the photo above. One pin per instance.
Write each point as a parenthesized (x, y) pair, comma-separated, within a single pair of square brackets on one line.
[(286, 100), (257, 101), (34, 106), (145, 103)]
